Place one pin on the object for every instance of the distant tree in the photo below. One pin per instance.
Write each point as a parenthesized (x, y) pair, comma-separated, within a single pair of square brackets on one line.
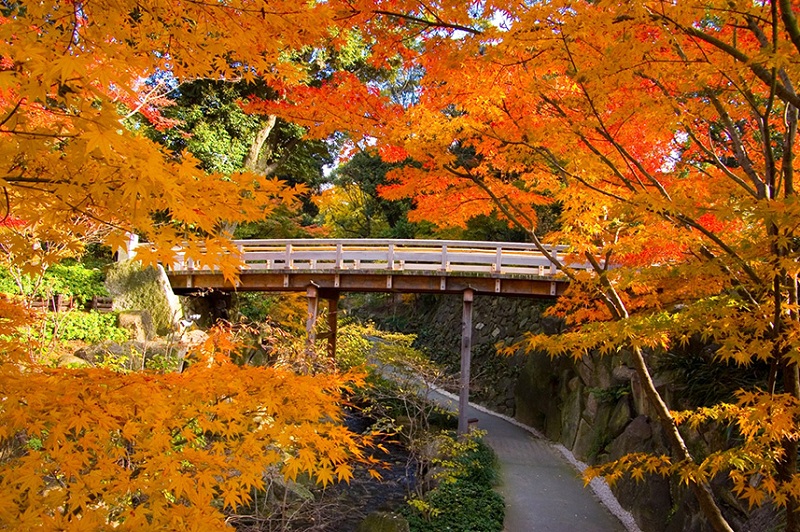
[(666, 133), (353, 208)]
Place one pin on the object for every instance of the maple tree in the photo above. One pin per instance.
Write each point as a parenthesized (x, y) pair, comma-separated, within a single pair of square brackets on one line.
[(86, 449), (667, 134), (72, 72), (90, 448)]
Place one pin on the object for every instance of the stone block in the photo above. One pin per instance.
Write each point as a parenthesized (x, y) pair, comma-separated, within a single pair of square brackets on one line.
[(622, 374), (584, 441), (138, 322), (649, 500), (620, 417), (97, 353), (637, 437), (133, 287), (592, 406), (71, 361), (571, 415)]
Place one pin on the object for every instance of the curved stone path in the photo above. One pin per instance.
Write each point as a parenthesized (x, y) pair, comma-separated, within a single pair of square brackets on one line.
[(542, 489)]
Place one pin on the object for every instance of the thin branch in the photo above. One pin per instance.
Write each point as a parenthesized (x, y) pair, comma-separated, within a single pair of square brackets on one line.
[(11, 113), (738, 147), (789, 137), (594, 108), (718, 241), (760, 72), (8, 205), (719, 164), (790, 23), (437, 24), (608, 162), (44, 135), (21, 179)]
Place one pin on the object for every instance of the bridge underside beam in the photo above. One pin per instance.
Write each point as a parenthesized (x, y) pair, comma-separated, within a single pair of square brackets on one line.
[(293, 281)]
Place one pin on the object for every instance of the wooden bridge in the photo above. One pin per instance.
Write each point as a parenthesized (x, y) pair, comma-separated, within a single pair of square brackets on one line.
[(404, 266), (324, 268)]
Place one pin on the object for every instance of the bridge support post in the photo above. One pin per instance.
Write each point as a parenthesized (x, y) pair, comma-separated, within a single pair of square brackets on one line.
[(312, 294), (333, 315), (466, 361)]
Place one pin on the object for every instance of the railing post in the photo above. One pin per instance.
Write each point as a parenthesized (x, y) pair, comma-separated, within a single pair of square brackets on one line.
[(339, 264), (288, 262), (240, 247), (498, 260), (390, 258), (444, 257), (553, 267), (466, 360)]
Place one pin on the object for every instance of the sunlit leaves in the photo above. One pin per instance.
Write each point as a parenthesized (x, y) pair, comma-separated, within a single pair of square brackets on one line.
[(71, 75), (169, 450), (764, 421)]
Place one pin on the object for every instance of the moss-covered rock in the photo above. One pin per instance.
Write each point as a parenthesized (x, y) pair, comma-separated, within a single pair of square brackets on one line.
[(71, 361), (138, 322), (135, 288), (158, 354)]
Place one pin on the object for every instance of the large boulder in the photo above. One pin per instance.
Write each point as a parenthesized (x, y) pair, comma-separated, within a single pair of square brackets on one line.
[(133, 287)]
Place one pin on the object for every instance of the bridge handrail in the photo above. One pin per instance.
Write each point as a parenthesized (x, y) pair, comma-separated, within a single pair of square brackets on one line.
[(398, 241), (443, 256)]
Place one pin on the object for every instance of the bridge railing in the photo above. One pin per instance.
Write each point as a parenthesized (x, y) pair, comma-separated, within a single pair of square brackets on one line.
[(393, 255)]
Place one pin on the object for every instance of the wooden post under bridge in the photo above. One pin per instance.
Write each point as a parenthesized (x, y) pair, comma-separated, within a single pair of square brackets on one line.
[(466, 361)]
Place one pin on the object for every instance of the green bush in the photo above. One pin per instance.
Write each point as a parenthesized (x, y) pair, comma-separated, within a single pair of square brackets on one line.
[(90, 327), (352, 346), (68, 278), (464, 500), (255, 306), (463, 507)]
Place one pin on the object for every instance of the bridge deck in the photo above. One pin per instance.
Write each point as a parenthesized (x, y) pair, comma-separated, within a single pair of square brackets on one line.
[(411, 266)]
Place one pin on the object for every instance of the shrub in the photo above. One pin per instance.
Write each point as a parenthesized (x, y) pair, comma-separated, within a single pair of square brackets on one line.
[(68, 278), (464, 499), (462, 506), (90, 327), (352, 346)]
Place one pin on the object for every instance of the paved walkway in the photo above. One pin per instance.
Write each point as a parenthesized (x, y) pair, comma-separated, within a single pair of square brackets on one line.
[(542, 490)]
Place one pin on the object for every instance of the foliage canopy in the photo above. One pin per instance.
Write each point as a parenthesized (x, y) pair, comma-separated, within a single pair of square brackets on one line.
[(665, 132)]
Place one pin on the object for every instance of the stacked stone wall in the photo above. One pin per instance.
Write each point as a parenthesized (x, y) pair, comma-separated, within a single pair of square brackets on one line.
[(593, 405)]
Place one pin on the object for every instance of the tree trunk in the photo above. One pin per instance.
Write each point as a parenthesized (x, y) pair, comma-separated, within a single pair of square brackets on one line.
[(251, 161), (787, 466), (701, 490)]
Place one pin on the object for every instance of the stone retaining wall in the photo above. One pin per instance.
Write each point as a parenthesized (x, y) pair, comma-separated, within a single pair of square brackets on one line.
[(594, 406)]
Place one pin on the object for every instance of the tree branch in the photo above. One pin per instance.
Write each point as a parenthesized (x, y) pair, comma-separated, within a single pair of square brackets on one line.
[(738, 147), (760, 72), (437, 24), (719, 164), (790, 23)]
